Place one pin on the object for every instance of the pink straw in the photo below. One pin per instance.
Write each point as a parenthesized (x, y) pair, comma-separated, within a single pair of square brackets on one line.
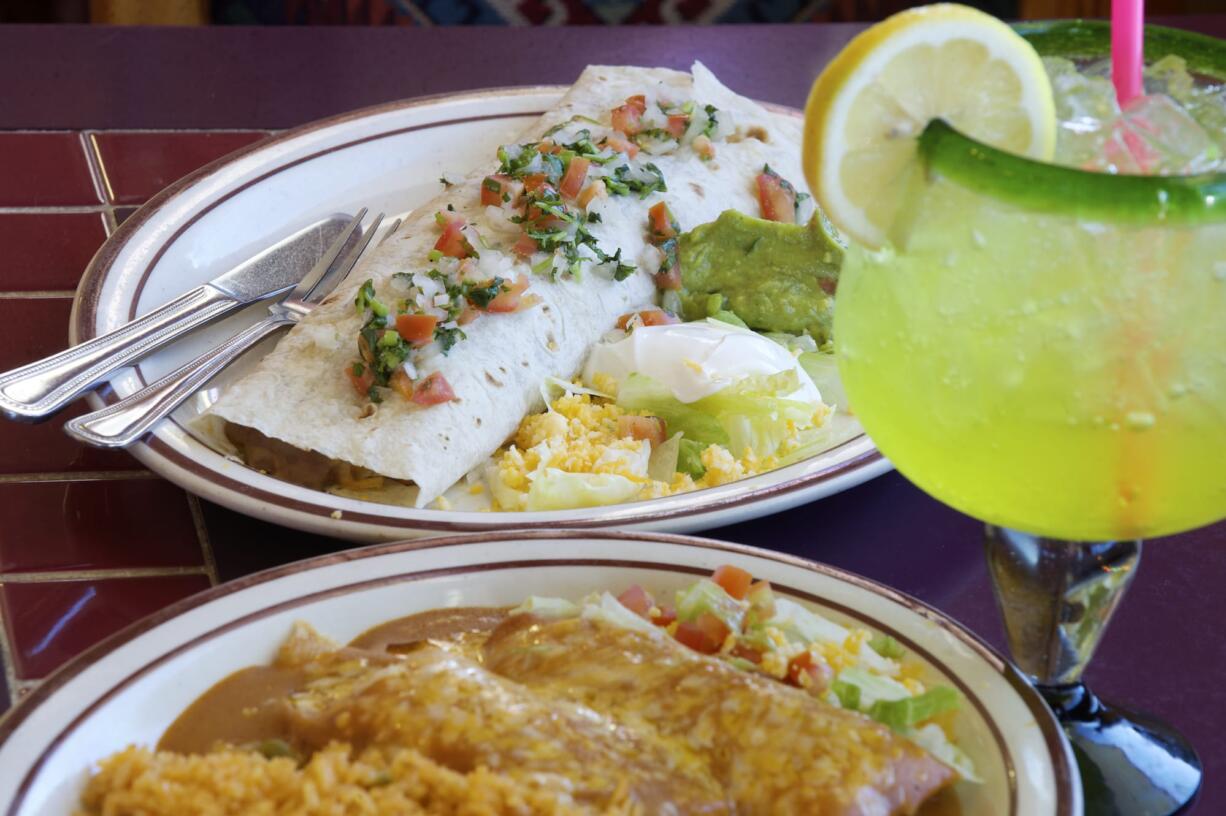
[(1127, 33)]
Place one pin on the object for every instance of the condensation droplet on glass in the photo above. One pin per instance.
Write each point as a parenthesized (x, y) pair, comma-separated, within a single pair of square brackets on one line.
[(1139, 420), (1177, 390), (978, 239), (1029, 307)]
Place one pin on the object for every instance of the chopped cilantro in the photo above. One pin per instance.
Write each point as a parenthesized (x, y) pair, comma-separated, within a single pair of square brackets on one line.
[(481, 294), (447, 185), (712, 122), (447, 337)]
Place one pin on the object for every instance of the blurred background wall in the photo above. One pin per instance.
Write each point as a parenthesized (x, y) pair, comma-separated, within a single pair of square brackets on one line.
[(528, 12)]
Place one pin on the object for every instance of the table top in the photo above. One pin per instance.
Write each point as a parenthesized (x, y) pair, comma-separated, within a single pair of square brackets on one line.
[(96, 120)]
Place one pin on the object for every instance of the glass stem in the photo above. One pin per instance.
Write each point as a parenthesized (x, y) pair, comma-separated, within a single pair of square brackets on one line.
[(1056, 597)]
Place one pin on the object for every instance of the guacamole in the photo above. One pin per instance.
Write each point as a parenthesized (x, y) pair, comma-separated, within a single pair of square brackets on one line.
[(775, 277)]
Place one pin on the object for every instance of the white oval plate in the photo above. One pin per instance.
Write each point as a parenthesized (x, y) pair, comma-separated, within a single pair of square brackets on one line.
[(129, 688), (386, 158)]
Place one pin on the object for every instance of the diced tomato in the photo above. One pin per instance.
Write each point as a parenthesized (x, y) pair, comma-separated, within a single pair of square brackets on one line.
[(468, 316), (677, 123), (509, 300), (536, 182), (705, 635), (638, 102), (649, 317), (403, 385), (807, 672), (829, 285), (620, 144), (661, 223), (547, 146), (703, 147), (361, 382), (572, 181), (665, 615), (433, 390), (642, 427), (734, 580), (637, 600), (498, 189), (669, 280), (417, 329), (628, 119), (777, 201), (525, 246), (746, 653), (452, 242)]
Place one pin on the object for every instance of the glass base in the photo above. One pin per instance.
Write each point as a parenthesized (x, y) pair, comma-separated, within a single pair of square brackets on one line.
[(1131, 764)]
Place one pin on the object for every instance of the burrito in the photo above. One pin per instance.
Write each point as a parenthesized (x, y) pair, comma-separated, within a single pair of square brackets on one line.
[(425, 361)]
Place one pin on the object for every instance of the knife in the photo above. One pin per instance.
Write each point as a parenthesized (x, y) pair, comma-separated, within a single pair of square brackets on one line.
[(39, 389)]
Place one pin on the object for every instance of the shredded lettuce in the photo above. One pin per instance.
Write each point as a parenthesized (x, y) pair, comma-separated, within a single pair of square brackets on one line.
[(887, 646), (610, 610), (795, 343), (823, 369), (933, 740), (725, 316), (751, 414), (872, 688), (546, 607), (555, 489), (910, 711), (689, 458), (706, 596), (801, 626), (554, 387)]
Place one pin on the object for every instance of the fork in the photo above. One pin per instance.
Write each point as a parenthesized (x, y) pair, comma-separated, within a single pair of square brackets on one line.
[(121, 424)]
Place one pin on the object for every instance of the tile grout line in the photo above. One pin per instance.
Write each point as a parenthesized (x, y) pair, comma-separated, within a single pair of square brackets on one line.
[(78, 476), (82, 209), (62, 576), (202, 535), (38, 294), (6, 657)]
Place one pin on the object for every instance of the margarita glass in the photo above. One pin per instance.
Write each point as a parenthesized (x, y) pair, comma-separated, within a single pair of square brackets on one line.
[(1044, 348)]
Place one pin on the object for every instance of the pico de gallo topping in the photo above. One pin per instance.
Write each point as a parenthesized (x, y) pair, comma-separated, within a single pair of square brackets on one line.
[(543, 193), (777, 197)]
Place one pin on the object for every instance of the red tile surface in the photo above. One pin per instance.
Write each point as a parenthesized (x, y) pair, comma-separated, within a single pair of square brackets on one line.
[(49, 623), (242, 545), (96, 525), (31, 328), (41, 169), (47, 250), (4, 689), (122, 213), (138, 165)]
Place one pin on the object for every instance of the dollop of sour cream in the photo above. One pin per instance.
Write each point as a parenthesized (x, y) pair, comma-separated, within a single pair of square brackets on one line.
[(695, 360)]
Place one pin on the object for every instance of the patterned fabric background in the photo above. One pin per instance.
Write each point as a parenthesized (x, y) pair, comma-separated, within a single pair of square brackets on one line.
[(560, 12)]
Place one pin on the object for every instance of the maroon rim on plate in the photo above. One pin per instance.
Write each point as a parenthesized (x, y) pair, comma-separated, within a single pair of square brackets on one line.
[(1052, 735), (83, 322)]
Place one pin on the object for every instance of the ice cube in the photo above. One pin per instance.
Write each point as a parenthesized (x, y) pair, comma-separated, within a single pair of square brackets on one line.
[(1086, 109), (1162, 138)]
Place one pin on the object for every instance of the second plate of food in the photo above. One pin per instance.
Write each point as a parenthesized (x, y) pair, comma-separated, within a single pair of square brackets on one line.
[(568, 671), (352, 432)]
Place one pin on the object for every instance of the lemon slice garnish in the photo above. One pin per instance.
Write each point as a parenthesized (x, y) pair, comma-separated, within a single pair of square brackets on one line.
[(870, 104)]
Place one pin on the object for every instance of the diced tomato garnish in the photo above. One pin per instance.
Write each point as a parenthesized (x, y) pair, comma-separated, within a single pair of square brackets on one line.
[(628, 119), (361, 382), (734, 580), (401, 382), (547, 146), (777, 202), (452, 242), (661, 223), (433, 390), (649, 317), (638, 102), (536, 182), (417, 329), (665, 615), (572, 181), (806, 672), (669, 280), (498, 189), (705, 635), (746, 653), (525, 246), (642, 427), (592, 192), (637, 600), (677, 124), (509, 300), (620, 144), (468, 316)]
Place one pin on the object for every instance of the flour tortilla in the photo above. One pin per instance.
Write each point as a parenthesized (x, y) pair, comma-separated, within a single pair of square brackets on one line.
[(299, 394)]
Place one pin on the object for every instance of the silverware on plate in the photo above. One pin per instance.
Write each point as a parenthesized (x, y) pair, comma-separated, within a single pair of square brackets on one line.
[(121, 424), (39, 389)]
